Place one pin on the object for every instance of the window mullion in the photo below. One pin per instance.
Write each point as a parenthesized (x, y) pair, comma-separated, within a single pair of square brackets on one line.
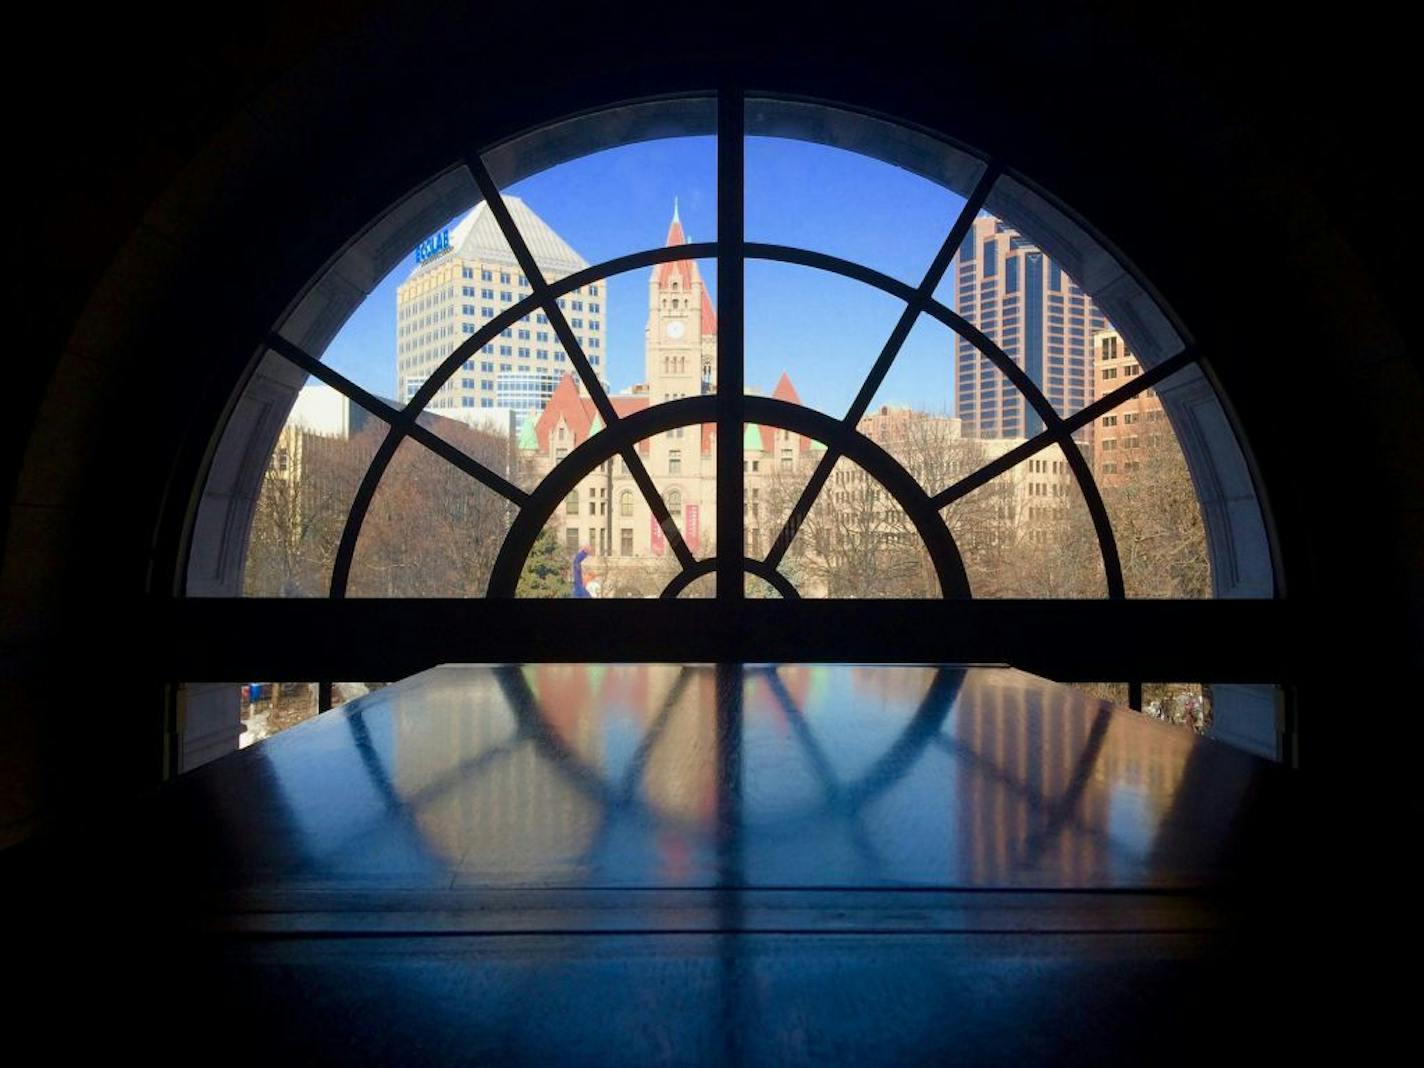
[(731, 239)]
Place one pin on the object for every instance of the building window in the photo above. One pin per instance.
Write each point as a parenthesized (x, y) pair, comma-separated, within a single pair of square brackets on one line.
[(674, 461), (625, 542), (625, 503), (571, 503)]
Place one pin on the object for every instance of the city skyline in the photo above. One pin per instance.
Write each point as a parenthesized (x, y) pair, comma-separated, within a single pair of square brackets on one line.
[(619, 201)]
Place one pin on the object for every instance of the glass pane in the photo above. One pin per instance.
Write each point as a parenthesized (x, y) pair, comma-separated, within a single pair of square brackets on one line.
[(1150, 498), (1027, 532), (1183, 704), (759, 588), (431, 531), (912, 416), (316, 464), (857, 542), (267, 708), (490, 437), (777, 464), (840, 202), (607, 527), (813, 336), (702, 588)]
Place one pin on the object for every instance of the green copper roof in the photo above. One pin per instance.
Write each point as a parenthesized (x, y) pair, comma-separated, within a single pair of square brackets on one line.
[(751, 437), (527, 438), (817, 446), (595, 426)]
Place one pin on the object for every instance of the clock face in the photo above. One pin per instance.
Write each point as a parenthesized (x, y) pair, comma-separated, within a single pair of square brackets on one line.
[(675, 329)]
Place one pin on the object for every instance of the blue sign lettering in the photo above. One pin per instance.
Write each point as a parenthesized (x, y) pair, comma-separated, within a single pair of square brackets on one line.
[(433, 246)]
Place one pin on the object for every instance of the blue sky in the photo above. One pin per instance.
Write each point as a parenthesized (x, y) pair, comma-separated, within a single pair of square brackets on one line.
[(825, 331)]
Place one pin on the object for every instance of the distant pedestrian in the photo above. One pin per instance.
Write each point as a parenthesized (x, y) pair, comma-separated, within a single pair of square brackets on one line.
[(580, 590)]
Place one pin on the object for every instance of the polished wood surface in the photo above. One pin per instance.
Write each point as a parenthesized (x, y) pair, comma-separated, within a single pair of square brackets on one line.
[(681, 777), (661, 863)]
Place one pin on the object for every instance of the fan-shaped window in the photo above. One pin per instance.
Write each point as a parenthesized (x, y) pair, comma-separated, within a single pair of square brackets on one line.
[(901, 371)]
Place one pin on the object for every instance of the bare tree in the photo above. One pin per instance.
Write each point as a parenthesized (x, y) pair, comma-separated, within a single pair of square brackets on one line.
[(1157, 521), (431, 529), (857, 541), (301, 511)]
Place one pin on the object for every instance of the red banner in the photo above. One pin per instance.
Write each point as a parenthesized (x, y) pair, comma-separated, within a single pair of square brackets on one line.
[(691, 525), (659, 542)]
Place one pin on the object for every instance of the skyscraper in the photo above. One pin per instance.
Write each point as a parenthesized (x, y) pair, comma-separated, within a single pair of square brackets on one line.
[(466, 275), (1022, 300), (1135, 428)]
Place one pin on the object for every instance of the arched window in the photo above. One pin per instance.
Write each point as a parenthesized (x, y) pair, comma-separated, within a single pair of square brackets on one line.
[(992, 354)]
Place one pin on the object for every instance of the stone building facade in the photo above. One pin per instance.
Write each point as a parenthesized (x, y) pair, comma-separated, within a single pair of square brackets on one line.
[(606, 512)]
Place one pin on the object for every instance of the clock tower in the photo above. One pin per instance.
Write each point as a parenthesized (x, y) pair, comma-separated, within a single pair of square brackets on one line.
[(681, 336)]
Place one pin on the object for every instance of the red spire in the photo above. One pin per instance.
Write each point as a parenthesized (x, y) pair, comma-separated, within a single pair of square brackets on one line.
[(675, 235), (785, 391), (682, 268), (686, 272)]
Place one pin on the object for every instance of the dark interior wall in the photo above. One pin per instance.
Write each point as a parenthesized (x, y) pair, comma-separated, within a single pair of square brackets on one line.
[(182, 181)]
